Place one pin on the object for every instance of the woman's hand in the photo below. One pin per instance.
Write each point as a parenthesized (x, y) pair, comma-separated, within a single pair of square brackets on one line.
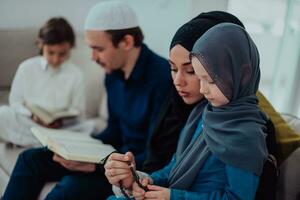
[(117, 168), (74, 165)]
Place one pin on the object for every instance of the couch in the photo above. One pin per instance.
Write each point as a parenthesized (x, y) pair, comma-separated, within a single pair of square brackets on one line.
[(19, 44)]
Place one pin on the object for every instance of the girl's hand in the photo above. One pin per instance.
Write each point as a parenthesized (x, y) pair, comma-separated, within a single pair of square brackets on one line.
[(157, 192), (139, 193)]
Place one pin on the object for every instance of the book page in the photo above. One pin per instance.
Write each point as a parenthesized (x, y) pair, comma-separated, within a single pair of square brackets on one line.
[(41, 113), (58, 134), (66, 114), (81, 151), (72, 145)]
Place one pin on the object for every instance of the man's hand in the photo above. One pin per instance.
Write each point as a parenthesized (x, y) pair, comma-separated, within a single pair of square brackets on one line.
[(74, 165), (117, 168)]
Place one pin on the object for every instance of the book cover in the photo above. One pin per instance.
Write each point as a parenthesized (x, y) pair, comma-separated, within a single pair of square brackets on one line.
[(48, 116)]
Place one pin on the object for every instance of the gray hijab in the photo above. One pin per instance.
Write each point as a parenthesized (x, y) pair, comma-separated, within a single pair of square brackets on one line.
[(234, 133)]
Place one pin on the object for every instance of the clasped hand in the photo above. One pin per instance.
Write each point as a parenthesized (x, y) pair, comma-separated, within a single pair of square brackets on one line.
[(117, 170)]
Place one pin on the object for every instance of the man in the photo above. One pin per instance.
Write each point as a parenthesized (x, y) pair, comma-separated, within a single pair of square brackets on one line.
[(136, 82)]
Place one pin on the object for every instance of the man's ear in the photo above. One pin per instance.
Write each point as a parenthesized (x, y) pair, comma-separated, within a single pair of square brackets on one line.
[(127, 42)]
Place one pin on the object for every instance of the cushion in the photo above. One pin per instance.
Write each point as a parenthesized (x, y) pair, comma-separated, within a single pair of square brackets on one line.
[(292, 121), (287, 138), (289, 181), (18, 44), (8, 157)]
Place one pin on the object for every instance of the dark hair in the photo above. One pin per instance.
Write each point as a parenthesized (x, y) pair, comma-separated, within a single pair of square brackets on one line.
[(118, 35), (56, 31)]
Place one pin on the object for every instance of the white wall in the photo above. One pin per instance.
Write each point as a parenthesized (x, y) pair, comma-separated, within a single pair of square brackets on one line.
[(159, 19)]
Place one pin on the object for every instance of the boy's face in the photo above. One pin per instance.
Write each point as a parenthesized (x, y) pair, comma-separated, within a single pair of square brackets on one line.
[(104, 53), (208, 86), (56, 54)]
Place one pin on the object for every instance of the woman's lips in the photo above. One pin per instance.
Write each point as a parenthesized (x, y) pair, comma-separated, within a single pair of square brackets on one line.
[(183, 94)]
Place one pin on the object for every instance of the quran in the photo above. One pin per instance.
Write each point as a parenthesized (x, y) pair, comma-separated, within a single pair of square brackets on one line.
[(73, 145)]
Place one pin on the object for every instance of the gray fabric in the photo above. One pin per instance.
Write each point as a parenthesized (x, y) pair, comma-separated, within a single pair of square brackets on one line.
[(189, 155), (230, 57)]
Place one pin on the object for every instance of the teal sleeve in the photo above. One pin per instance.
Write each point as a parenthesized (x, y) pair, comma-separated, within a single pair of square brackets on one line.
[(240, 185), (161, 176)]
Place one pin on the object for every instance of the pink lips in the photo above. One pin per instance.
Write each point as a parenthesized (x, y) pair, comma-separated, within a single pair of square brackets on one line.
[(183, 94)]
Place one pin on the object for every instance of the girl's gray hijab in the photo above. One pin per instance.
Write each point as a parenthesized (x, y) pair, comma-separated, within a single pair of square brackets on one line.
[(234, 133)]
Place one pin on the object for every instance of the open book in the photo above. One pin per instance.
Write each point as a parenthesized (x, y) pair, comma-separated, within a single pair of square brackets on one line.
[(73, 145), (48, 116)]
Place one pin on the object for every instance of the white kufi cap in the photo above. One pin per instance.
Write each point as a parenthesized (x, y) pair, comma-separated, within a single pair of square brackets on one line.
[(111, 15)]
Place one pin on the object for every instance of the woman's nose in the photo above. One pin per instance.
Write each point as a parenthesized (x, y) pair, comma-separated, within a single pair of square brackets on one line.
[(179, 79)]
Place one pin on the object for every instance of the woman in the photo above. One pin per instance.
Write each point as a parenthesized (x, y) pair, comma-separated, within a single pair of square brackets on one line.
[(48, 80), (181, 101)]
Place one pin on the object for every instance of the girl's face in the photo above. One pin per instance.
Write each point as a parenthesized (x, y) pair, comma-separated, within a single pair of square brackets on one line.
[(183, 75), (207, 86), (56, 54)]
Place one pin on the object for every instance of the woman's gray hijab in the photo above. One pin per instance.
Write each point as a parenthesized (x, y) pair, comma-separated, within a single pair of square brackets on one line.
[(234, 133)]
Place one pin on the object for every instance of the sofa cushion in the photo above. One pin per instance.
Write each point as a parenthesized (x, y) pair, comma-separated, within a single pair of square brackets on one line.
[(8, 157), (287, 138), (289, 181), (17, 45)]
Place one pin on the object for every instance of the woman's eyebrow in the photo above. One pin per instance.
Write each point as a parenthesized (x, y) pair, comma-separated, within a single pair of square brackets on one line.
[(170, 61), (183, 64)]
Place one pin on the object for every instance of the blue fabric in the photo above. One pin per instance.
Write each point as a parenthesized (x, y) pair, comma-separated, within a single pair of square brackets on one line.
[(216, 180), (134, 104)]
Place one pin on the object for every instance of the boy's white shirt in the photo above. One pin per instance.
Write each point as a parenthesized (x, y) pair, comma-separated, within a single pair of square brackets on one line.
[(117, 190), (54, 89), (35, 82)]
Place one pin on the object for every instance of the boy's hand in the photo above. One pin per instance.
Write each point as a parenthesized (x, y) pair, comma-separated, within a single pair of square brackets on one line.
[(55, 124)]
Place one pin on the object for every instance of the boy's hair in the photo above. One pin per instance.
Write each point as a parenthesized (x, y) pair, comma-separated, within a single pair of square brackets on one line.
[(56, 31), (118, 35)]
